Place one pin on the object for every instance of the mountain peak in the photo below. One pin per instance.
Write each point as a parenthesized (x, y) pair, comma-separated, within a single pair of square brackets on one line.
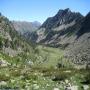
[(64, 11), (62, 17), (67, 9), (88, 15)]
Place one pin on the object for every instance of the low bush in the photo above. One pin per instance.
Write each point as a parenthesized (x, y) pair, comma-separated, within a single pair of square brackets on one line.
[(4, 77)]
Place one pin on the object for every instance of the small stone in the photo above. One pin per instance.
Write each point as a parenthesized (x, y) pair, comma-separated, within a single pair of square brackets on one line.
[(56, 89), (3, 83), (12, 81), (47, 85), (66, 81), (86, 87), (36, 86), (74, 87)]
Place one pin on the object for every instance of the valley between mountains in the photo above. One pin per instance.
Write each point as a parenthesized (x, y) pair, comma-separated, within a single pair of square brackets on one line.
[(51, 56)]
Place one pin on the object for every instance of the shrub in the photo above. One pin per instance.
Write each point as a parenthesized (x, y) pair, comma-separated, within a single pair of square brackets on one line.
[(4, 78), (87, 78), (1, 42), (61, 76)]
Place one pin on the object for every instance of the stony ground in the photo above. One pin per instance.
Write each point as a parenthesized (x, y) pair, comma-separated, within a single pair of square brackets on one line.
[(32, 79), (22, 74)]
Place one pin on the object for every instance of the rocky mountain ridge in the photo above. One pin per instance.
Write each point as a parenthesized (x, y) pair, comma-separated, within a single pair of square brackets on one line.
[(67, 30), (57, 26)]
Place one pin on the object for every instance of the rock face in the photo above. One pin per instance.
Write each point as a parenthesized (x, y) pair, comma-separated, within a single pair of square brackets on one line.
[(69, 31), (85, 26), (80, 49), (62, 17), (3, 63)]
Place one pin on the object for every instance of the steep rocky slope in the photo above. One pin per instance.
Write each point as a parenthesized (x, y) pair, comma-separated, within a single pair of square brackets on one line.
[(56, 30), (80, 49)]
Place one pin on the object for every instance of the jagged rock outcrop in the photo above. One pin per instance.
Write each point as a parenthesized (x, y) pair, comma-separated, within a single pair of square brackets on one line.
[(59, 29)]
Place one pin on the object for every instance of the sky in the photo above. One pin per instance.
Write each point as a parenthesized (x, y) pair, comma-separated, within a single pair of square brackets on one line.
[(40, 10)]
